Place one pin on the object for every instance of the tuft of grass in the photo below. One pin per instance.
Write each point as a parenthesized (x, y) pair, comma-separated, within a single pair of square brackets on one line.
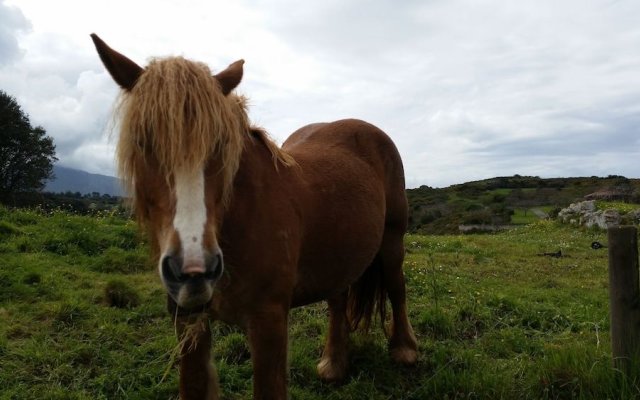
[(17, 288), (4, 345), (233, 349), (32, 278), (471, 321), (575, 371), (117, 260), (69, 314), (510, 342), (119, 294), (8, 229), (435, 323), (24, 245)]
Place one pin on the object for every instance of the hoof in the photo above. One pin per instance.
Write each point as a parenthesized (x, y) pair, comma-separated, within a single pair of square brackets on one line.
[(404, 355), (331, 372)]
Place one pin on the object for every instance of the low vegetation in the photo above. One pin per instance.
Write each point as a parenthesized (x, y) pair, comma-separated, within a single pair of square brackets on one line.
[(504, 201), (82, 316)]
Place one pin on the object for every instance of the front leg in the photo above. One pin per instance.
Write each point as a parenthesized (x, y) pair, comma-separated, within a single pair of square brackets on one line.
[(198, 378), (268, 338)]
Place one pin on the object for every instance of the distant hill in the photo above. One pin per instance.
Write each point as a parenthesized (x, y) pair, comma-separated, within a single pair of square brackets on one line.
[(495, 202), (74, 180), (504, 201)]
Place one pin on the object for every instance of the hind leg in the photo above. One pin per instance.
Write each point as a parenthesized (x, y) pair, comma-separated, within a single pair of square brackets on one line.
[(403, 345), (333, 364)]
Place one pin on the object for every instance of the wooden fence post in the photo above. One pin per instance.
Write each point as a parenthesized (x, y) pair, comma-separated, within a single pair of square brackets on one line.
[(624, 296)]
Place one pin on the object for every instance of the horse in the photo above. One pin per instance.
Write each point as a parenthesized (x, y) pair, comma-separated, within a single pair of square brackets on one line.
[(244, 230)]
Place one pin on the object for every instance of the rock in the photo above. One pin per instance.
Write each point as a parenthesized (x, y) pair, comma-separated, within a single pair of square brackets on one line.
[(602, 219), (634, 216), (576, 210), (585, 213)]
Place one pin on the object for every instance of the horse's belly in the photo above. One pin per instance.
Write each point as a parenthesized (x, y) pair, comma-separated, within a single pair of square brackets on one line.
[(334, 257)]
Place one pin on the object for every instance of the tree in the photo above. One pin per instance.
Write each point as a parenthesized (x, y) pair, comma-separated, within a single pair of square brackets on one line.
[(26, 153)]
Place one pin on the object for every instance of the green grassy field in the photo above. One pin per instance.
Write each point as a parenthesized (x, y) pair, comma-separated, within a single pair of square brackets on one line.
[(526, 216), (82, 316)]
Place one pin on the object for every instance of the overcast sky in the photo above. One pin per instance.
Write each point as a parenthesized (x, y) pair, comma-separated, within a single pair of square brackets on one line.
[(468, 89)]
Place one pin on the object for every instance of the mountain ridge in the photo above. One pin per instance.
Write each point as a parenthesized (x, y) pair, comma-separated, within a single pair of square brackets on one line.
[(74, 180)]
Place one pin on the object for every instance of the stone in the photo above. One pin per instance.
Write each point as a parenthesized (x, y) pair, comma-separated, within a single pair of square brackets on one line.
[(585, 213)]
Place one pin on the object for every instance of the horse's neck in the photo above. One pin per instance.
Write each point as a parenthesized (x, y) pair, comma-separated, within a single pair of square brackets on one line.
[(263, 197), (257, 174)]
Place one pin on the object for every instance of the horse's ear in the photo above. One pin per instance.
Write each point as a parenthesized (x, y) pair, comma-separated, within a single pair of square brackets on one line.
[(230, 77), (124, 71)]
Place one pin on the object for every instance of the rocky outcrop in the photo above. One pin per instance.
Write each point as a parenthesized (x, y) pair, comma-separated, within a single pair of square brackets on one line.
[(575, 211), (585, 213), (602, 219), (634, 216)]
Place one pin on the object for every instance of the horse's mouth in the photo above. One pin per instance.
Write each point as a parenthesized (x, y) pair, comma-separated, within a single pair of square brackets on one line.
[(192, 297)]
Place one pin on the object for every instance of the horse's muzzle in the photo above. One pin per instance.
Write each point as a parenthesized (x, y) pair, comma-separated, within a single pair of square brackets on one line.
[(190, 286)]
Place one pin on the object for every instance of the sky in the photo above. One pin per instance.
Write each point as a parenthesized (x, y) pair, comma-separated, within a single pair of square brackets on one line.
[(467, 89)]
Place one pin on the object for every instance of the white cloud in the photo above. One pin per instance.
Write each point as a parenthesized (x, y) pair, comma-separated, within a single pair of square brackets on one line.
[(467, 89), (12, 21)]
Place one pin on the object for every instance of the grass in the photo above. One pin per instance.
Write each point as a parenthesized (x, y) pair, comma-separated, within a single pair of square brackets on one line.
[(526, 216), (523, 217), (82, 316), (619, 206)]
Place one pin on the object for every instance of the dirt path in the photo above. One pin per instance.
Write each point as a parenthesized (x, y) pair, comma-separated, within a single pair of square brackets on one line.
[(539, 213)]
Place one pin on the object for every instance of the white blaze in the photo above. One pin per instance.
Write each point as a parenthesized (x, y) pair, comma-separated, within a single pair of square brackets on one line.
[(191, 216)]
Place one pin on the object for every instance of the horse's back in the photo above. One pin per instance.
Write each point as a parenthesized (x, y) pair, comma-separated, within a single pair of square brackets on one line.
[(352, 193), (360, 138), (353, 151)]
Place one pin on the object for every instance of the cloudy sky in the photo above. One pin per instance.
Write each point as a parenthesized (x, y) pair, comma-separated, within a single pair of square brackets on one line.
[(468, 89)]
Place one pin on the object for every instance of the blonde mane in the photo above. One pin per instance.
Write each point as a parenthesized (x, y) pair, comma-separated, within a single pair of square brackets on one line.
[(177, 112)]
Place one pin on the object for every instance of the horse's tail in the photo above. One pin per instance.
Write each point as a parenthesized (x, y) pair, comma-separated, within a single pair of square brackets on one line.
[(366, 295)]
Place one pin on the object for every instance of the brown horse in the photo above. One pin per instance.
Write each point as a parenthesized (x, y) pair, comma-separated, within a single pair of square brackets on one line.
[(322, 218)]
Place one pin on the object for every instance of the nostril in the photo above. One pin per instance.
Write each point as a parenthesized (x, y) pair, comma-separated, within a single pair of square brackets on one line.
[(214, 267), (171, 270), (175, 273)]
